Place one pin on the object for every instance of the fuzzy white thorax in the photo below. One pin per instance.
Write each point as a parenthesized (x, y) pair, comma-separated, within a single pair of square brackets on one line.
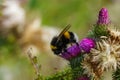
[(76, 37)]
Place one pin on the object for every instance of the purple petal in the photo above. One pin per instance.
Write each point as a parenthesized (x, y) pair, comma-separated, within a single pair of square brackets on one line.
[(66, 56), (72, 51)]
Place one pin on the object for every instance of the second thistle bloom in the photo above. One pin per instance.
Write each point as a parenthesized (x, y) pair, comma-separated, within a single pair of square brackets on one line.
[(86, 44)]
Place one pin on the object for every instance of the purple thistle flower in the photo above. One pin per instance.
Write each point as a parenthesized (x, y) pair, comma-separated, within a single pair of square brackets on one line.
[(72, 51), (86, 44), (66, 56), (83, 78), (103, 17)]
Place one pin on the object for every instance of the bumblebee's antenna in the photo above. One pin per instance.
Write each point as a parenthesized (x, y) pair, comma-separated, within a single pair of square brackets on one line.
[(63, 31)]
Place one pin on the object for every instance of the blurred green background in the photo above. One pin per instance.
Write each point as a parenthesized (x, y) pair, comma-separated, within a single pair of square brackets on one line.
[(81, 14)]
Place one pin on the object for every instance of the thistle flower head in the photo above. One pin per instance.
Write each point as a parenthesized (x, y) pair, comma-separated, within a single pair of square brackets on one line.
[(86, 44), (71, 52), (103, 17)]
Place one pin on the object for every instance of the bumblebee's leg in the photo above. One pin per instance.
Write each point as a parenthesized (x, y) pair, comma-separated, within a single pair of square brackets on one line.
[(76, 43), (71, 44)]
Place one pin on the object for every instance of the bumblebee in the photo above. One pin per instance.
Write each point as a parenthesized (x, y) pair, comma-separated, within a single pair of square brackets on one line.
[(60, 43)]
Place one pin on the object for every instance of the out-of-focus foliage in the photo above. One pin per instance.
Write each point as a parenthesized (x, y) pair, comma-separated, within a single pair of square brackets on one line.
[(78, 13)]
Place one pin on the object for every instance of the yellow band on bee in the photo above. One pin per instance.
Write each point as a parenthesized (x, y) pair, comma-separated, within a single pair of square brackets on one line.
[(67, 35), (53, 47)]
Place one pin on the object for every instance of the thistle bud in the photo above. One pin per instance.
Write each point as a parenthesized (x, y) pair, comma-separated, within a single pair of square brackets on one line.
[(103, 17)]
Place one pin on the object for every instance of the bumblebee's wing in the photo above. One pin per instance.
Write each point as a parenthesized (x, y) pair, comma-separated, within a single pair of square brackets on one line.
[(63, 31)]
